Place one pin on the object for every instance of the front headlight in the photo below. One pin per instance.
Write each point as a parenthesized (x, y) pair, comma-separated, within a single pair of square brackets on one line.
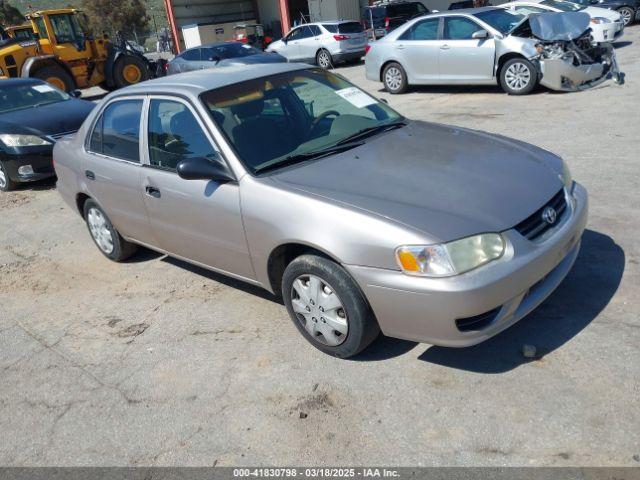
[(598, 20), (565, 176), (453, 258), (15, 140)]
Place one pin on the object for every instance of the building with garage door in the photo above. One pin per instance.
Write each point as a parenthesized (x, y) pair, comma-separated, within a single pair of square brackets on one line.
[(218, 17)]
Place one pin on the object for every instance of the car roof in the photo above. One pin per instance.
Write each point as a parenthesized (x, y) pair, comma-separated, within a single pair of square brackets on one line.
[(12, 82), (461, 11), (196, 82), (329, 22)]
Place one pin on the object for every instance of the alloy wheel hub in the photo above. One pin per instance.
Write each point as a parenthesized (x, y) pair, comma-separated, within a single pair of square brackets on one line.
[(319, 309), (99, 230), (394, 78), (518, 76)]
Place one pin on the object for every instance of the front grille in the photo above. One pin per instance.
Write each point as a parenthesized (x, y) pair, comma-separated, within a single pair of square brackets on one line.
[(473, 324), (58, 136), (534, 226)]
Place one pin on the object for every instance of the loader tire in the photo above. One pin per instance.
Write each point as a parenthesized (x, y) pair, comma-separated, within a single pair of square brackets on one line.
[(57, 76), (130, 70)]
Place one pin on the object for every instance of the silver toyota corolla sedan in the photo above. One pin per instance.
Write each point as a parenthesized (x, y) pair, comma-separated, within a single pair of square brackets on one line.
[(289, 177), (485, 46)]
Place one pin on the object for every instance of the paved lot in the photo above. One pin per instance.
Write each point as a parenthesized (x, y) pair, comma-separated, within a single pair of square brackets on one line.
[(155, 362)]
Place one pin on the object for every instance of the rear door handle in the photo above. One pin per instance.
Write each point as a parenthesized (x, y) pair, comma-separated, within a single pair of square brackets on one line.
[(445, 47), (89, 174), (153, 192), (400, 47)]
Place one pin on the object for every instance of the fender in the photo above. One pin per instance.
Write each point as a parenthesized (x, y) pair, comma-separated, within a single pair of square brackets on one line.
[(31, 63), (113, 54)]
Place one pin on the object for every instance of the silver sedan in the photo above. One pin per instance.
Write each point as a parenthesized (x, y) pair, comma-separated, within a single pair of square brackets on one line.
[(290, 178), (485, 46)]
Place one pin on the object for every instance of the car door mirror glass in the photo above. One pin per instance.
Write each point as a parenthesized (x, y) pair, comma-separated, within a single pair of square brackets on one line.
[(200, 168), (480, 35)]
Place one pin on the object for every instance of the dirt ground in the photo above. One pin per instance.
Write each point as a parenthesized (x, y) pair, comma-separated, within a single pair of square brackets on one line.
[(155, 362)]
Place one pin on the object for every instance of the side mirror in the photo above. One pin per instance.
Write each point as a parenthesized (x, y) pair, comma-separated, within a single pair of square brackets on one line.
[(480, 35), (201, 168), (76, 93)]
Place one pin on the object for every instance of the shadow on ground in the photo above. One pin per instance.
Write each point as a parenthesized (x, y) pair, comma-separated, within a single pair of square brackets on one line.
[(580, 298)]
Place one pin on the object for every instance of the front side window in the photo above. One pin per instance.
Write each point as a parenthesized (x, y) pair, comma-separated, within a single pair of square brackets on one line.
[(65, 28), (117, 131), (295, 35), (424, 30), (175, 135), (406, 10), (460, 28), (42, 28), (271, 120)]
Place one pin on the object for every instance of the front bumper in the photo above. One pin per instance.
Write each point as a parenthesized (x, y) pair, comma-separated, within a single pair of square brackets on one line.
[(40, 159), (562, 75), (426, 309)]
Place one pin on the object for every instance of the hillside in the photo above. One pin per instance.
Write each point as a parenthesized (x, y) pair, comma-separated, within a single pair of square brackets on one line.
[(155, 8)]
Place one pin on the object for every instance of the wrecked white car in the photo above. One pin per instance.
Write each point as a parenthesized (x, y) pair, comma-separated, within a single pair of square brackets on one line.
[(482, 46)]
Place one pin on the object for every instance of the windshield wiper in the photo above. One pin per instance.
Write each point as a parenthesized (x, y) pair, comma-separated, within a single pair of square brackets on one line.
[(368, 132), (302, 157)]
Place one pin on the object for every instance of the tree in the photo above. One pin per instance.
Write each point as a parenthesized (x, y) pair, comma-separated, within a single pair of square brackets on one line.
[(10, 15), (111, 16)]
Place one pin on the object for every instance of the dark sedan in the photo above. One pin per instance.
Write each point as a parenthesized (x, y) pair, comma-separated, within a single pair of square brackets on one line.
[(33, 115), (220, 55), (629, 10)]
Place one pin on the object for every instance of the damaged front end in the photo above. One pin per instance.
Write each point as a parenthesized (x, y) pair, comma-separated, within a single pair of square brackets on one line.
[(567, 57)]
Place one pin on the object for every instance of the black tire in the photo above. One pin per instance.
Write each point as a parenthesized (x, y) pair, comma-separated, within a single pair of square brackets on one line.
[(395, 78), (122, 79), (517, 66), (6, 184), (56, 76), (324, 59), (628, 15), (121, 248), (362, 326)]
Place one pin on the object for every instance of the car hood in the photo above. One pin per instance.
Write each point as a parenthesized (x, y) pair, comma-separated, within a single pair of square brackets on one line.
[(254, 59), (562, 26), (445, 181), (53, 119)]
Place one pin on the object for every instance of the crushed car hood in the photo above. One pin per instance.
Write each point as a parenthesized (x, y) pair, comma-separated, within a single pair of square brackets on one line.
[(445, 181), (559, 26)]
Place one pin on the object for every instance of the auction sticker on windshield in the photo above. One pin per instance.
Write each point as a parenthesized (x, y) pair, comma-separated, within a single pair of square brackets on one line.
[(356, 97), (43, 88)]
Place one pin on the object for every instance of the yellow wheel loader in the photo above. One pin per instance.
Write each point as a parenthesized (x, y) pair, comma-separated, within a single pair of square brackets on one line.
[(61, 53)]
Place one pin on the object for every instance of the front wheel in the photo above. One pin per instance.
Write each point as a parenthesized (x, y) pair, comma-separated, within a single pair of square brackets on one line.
[(327, 307), (130, 70), (6, 184), (104, 234), (518, 76), (395, 78), (627, 14), (324, 59)]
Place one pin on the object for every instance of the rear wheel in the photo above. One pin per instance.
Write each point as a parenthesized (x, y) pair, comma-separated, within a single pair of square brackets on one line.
[(57, 76), (518, 76), (627, 15), (6, 184), (324, 59), (104, 234), (130, 70), (327, 307), (395, 78)]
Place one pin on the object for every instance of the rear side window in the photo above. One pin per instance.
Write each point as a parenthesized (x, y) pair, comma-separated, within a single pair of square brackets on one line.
[(117, 131), (425, 30), (315, 30), (175, 134), (192, 55)]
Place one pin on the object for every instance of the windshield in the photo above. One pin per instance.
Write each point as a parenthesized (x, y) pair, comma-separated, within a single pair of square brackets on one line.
[(272, 119), (19, 97), (501, 20), (563, 5), (229, 50)]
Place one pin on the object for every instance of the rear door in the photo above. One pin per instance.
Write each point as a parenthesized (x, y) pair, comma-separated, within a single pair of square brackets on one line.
[(419, 48), (309, 42), (463, 58), (199, 220), (113, 170)]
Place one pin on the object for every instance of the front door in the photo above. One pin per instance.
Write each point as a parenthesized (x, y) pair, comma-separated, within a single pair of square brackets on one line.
[(198, 220), (113, 171), (463, 58), (418, 49)]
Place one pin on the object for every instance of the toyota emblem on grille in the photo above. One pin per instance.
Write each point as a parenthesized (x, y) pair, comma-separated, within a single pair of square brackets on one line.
[(549, 215)]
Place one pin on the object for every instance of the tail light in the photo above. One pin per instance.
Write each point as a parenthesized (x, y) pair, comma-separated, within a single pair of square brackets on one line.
[(165, 66), (366, 49), (341, 38), (387, 22)]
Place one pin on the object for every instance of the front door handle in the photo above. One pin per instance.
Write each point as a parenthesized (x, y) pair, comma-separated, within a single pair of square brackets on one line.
[(445, 47), (400, 47), (89, 174), (153, 192)]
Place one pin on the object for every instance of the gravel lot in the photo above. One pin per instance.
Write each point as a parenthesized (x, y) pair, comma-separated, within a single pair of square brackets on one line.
[(155, 362)]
